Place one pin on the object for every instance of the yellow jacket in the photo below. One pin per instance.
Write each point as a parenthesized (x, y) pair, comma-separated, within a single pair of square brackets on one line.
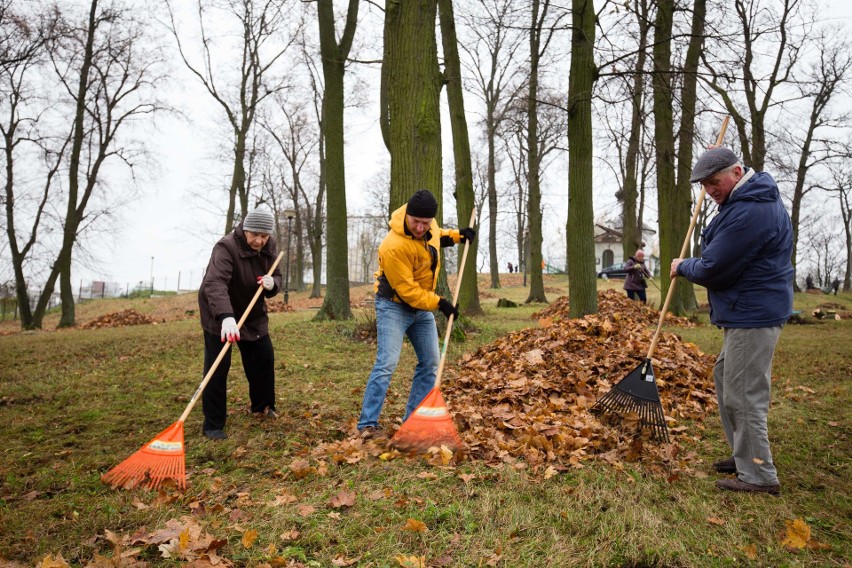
[(408, 267)]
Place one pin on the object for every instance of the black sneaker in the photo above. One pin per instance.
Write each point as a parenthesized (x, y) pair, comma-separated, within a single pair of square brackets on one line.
[(215, 435)]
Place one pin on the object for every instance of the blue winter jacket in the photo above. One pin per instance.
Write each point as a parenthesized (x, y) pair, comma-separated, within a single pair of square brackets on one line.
[(745, 258)]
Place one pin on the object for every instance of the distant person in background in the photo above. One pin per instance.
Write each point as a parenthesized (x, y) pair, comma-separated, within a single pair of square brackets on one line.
[(510, 268), (835, 285), (809, 282), (745, 266), (238, 265), (634, 282)]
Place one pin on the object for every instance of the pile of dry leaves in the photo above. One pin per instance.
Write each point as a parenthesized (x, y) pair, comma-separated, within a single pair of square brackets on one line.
[(118, 319), (528, 394), (525, 399)]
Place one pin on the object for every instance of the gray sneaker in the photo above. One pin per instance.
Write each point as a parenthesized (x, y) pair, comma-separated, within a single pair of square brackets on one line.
[(371, 433), (269, 413), (217, 435)]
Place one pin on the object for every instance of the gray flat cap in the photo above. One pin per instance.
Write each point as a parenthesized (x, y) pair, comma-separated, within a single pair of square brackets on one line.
[(259, 221), (712, 162)]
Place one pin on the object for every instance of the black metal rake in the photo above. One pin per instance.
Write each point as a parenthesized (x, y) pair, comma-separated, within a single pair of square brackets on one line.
[(637, 392)]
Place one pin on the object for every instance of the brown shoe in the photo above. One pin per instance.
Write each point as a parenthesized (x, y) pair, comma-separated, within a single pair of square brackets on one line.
[(371, 433), (738, 485), (727, 465)]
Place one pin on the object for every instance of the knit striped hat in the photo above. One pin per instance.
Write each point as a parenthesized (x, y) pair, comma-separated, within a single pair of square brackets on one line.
[(259, 221)]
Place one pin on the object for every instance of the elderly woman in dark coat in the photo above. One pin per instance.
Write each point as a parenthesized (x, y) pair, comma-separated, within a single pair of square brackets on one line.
[(238, 265)]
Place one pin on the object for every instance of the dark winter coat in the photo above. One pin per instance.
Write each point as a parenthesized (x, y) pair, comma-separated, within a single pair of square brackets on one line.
[(230, 283), (636, 274), (745, 258)]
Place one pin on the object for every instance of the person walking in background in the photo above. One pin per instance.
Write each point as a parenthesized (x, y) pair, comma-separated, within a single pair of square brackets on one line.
[(510, 268), (238, 265), (409, 263), (634, 282), (835, 285), (745, 266)]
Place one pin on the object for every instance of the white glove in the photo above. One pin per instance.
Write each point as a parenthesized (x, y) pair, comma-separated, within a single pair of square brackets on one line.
[(266, 281), (230, 330)]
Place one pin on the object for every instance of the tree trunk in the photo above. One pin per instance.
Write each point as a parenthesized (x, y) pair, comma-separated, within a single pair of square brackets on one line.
[(72, 217), (631, 227), (336, 302), (664, 139), (534, 209), (493, 264), (469, 291), (683, 298), (414, 90), (581, 238)]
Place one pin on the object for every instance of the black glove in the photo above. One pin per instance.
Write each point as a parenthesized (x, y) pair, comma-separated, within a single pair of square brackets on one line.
[(448, 309), (467, 234)]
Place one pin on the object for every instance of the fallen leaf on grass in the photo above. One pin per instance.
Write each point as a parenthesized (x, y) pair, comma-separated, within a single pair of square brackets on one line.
[(467, 477), (414, 525), (750, 551), (51, 561), (341, 560), (715, 521), (249, 538), (284, 499), (301, 468), (290, 535), (305, 510), (343, 499), (550, 472), (798, 534), (427, 475), (411, 561)]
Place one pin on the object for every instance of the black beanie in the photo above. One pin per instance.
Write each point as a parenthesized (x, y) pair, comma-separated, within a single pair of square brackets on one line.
[(422, 204)]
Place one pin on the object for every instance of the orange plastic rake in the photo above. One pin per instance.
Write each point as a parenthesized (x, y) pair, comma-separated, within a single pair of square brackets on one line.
[(163, 457), (431, 425)]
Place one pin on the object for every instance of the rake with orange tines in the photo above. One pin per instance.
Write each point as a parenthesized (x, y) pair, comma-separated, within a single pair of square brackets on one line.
[(163, 457), (431, 425)]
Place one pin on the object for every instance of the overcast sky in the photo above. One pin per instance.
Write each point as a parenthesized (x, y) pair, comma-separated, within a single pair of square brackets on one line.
[(171, 224)]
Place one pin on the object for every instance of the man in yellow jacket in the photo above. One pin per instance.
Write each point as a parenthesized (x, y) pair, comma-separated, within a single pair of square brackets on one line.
[(409, 262)]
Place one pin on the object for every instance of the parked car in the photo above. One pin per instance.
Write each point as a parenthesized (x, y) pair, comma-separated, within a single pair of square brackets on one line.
[(617, 270)]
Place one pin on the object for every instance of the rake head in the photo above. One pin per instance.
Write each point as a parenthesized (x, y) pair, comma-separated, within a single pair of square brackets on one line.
[(160, 459), (637, 392)]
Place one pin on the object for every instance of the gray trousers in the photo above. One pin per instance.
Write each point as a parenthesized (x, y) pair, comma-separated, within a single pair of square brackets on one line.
[(743, 380)]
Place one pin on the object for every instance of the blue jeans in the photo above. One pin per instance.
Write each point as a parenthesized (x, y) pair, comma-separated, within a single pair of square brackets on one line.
[(394, 321)]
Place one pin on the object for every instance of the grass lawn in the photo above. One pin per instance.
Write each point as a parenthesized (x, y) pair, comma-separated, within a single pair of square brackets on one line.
[(75, 403)]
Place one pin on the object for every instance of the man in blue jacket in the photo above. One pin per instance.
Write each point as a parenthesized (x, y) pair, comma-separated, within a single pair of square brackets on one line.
[(745, 266)]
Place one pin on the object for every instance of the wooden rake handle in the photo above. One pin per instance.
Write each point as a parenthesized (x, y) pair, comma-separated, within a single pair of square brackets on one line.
[(699, 202), (455, 300), (227, 345)]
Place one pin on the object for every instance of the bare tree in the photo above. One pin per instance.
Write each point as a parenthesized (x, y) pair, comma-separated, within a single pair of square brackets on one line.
[(334, 53), (581, 253), (823, 82), (753, 60), (469, 290), (22, 55), (263, 40), (491, 59), (109, 74)]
